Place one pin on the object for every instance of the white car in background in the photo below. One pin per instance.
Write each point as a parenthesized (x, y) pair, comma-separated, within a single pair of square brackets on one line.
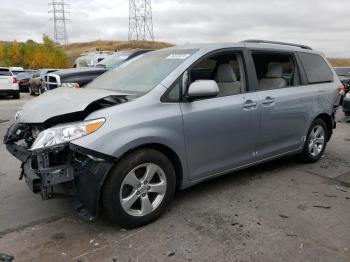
[(91, 59), (15, 70), (8, 83)]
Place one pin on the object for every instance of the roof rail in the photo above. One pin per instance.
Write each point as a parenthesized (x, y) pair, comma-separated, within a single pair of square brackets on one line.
[(256, 41)]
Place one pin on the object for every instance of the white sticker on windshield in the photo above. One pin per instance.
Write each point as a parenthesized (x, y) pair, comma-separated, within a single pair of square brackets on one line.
[(123, 57), (178, 56)]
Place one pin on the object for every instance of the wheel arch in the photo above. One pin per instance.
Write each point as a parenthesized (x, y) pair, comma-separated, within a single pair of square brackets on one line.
[(167, 151), (329, 123), (173, 158)]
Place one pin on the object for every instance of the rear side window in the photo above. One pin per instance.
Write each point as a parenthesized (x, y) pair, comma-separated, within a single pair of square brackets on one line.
[(275, 70), (316, 68), (5, 72)]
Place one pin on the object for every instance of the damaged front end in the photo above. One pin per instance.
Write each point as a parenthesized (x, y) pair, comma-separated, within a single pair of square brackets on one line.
[(58, 168), (63, 170)]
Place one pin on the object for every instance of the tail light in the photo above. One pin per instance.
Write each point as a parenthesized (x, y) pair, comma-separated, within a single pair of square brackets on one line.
[(341, 89), (14, 80)]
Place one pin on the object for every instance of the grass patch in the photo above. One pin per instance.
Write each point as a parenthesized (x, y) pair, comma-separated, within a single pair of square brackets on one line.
[(339, 62)]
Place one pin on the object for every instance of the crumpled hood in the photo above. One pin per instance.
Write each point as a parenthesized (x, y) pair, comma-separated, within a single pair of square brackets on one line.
[(61, 101)]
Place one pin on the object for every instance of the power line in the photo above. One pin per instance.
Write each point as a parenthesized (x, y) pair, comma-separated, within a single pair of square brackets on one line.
[(59, 11), (140, 20)]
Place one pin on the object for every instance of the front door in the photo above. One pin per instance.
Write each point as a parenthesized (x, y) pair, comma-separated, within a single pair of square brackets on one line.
[(220, 132)]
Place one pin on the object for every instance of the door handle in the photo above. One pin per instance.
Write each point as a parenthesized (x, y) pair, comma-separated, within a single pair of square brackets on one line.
[(269, 101), (250, 104)]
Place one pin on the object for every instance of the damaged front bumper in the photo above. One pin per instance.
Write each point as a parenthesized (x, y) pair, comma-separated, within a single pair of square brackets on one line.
[(64, 170)]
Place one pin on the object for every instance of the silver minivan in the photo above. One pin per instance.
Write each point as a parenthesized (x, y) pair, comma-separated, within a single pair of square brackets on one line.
[(172, 118)]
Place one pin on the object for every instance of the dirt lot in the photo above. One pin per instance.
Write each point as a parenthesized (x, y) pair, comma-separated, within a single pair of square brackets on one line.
[(280, 211)]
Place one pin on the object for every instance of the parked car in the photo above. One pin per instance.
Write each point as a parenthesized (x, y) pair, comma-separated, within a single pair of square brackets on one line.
[(79, 77), (90, 59), (16, 70), (344, 76), (346, 105), (8, 83), (173, 118), (23, 80), (37, 82)]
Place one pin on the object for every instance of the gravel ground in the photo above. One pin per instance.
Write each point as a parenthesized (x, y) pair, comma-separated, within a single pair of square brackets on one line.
[(279, 211)]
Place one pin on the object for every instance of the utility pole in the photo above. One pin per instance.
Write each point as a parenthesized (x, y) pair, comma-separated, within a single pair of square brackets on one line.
[(58, 9), (140, 20)]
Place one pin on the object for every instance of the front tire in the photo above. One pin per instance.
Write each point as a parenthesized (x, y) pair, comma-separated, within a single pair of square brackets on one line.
[(316, 142), (139, 188)]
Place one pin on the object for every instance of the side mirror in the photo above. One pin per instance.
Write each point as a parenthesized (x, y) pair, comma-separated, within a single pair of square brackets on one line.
[(203, 89)]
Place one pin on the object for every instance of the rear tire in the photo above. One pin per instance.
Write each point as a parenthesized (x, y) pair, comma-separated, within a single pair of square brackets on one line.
[(315, 143), (132, 196)]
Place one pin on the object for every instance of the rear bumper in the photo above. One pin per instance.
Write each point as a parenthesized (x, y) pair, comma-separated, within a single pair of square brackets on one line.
[(8, 92), (23, 86), (80, 177)]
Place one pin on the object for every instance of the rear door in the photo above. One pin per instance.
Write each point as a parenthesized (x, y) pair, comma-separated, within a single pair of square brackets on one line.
[(285, 103), (220, 132), (5, 78)]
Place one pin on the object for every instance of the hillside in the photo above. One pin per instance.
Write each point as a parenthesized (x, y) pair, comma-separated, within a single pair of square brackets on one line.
[(75, 49), (339, 61)]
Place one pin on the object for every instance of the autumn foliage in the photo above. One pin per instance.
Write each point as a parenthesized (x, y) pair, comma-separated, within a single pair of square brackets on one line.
[(33, 55)]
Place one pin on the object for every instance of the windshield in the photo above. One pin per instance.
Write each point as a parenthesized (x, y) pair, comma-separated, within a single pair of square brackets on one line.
[(85, 61), (24, 75), (115, 60), (142, 73)]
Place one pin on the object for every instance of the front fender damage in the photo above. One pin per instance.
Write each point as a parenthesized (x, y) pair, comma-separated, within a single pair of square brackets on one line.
[(66, 170)]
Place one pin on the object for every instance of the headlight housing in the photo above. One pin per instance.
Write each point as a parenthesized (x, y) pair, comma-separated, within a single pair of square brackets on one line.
[(65, 133)]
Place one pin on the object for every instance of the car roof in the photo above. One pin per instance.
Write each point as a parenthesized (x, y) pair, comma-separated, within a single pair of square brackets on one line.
[(263, 45)]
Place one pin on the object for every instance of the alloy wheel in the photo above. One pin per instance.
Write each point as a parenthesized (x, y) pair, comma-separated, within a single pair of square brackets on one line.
[(316, 140), (143, 189)]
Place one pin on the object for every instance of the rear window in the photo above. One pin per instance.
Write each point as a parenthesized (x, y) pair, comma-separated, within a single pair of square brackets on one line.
[(5, 72), (316, 68)]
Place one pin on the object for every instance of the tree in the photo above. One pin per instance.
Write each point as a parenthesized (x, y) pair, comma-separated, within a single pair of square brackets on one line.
[(14, 54), (2, 54), (48, 43), (2, 50), (33, 55)]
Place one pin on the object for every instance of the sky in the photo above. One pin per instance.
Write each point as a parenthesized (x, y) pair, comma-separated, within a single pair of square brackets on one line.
[(322, 24)]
